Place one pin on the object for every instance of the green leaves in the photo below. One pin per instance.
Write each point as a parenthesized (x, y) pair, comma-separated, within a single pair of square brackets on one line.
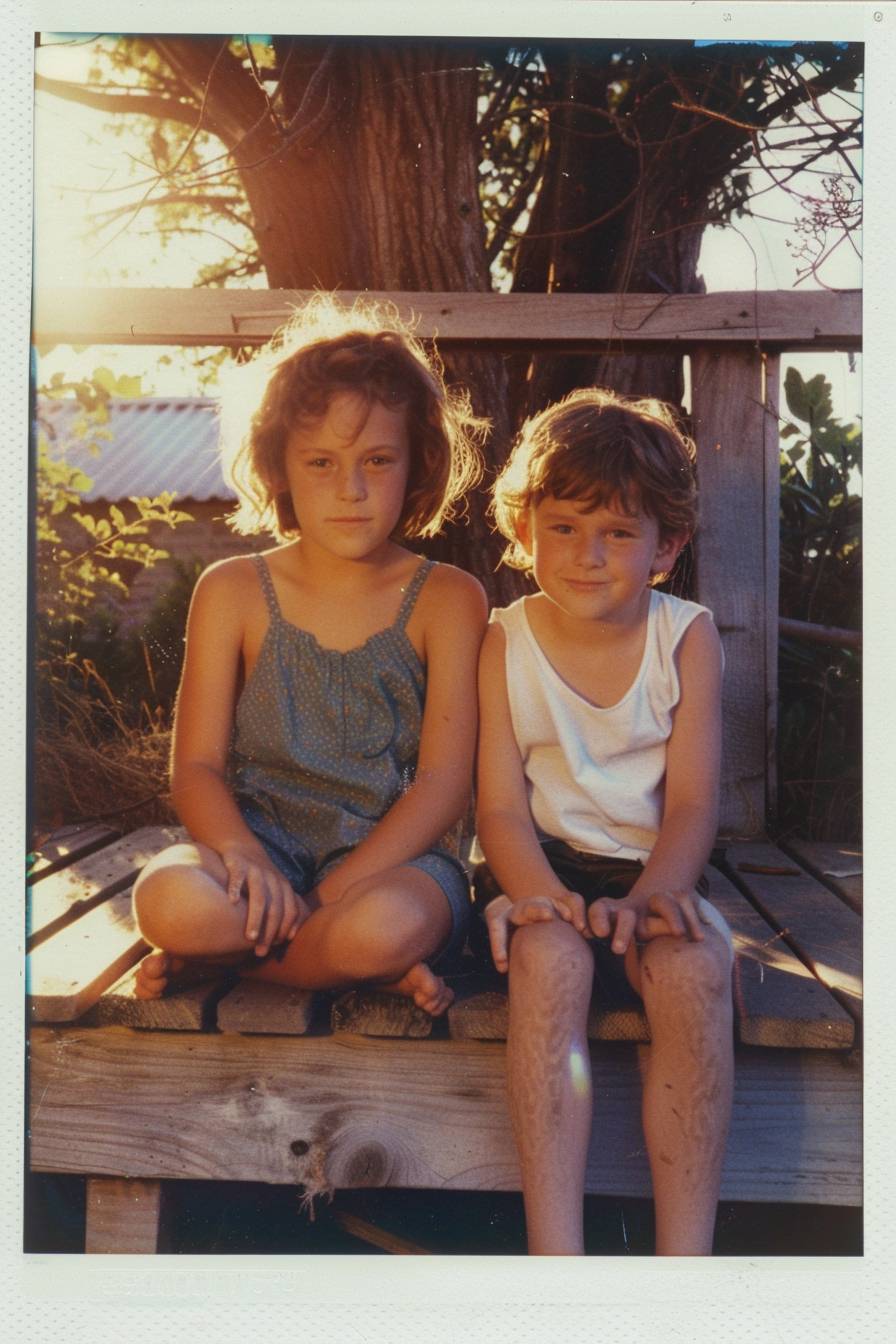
[(808, 401), (819, 685), (86, 553)]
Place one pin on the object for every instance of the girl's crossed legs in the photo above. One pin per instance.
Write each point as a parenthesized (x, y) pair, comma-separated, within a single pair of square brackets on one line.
[(384, 929)]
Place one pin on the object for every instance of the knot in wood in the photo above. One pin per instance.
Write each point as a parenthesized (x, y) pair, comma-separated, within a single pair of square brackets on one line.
[(368, 1165)]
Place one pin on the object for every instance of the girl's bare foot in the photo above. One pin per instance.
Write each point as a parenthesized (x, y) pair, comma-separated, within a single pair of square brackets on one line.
[(154, 972), (427, 989), (161, 972)]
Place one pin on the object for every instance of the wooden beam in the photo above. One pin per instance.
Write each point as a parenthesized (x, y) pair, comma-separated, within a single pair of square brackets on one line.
[(233, 317), (349, 1112), (735, 426), (122, 1216), (820, 634)]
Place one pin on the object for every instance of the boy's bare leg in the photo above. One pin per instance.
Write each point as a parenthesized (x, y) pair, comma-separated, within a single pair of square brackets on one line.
[(688, 1083), (549, 1080), (383, 929)]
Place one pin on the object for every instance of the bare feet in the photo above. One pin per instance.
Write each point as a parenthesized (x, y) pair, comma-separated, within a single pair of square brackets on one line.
[(161, 972), (154, 972), (427, 989)]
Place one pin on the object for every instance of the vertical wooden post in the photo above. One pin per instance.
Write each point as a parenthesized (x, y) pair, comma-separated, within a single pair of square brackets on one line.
[(122, 1216), (737, 547)]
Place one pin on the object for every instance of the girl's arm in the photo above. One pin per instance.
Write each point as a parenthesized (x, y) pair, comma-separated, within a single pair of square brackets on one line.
[(441, 790), (503, 820), (202, 728), (691, 811)]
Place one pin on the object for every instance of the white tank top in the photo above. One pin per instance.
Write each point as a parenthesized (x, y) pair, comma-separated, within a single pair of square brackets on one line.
[(596, 776)]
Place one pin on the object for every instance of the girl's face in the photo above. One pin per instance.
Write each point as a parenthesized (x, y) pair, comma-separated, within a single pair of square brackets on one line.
[(347, 474), (595, 564)]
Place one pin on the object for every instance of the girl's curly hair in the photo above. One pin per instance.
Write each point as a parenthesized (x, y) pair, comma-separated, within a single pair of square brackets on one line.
[(599, 448), (326, 349)]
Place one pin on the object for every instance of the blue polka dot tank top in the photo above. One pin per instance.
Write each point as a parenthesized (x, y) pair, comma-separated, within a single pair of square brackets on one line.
[(325, 742)]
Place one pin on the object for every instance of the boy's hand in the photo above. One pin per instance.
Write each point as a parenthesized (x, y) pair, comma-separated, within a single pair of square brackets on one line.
[(502, 916), (662, 913), (274, 911)]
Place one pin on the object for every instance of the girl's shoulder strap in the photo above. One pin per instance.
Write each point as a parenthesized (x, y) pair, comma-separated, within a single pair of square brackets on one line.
[(412, 592), (267, 584)]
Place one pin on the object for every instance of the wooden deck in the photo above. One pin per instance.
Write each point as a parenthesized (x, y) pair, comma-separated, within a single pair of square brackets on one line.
[(228, 1080)]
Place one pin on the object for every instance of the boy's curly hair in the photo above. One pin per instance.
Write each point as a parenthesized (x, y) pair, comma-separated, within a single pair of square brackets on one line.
[(326, 349), (598, 448)]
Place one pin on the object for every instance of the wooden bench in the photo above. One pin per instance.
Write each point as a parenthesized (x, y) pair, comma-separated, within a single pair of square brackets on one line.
[(230, 1080)]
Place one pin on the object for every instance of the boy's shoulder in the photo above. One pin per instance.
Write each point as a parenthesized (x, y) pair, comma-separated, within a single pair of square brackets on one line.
[(511, 616), (676, 613)]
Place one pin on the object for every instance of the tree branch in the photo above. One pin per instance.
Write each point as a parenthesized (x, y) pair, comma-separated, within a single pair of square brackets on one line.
[(143, 105)]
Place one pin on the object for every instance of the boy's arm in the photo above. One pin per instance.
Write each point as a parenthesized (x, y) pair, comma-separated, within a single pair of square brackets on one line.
[(690, 814), (440, 793), (202, 730), (503, 821)]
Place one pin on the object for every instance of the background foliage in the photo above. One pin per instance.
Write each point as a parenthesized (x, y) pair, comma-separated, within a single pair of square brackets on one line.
[(819, 708)]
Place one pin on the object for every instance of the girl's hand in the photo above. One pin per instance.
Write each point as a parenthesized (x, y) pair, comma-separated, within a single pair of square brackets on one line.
[(662, 913), (502, 916), (274, 912)]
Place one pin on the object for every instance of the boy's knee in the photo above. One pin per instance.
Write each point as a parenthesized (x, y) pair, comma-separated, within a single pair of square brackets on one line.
[(551, 950), (702, 971)]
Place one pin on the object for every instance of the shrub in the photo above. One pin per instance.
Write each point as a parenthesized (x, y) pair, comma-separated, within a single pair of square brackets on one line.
[(819, 711)]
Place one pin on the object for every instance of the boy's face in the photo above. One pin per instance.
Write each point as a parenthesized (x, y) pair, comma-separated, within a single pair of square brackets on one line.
[(347, 474), (595, 564)]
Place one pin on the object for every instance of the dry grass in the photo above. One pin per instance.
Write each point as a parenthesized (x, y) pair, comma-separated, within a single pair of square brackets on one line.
[(121, 780), (91, 764)]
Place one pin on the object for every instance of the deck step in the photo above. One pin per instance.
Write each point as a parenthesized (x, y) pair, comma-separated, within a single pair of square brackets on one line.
[(66, 975), (253, 1006), (373, 1012), (837, 866), (65, 895), (188, 1008), (815, 923), (777, 999), (66, 845)]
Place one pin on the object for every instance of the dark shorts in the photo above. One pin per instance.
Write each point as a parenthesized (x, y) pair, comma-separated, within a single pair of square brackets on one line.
[(591, 875)]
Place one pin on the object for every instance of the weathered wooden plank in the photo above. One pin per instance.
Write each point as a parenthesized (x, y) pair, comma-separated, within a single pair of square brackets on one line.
[(373, 1012), (349, 1112), (68, 973), (190, 1007), (837, 866), (823, 931), (255, 1006), (66, 845), (737, 574), (770, 465), (122, 1216), (66, 895), (777, 1000), (139, 316)]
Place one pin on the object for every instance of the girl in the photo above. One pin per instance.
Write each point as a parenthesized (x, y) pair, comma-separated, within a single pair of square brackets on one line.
[(326, 719)]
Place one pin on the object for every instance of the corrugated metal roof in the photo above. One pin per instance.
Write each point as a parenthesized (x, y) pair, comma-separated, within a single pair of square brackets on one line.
[(155, 444)]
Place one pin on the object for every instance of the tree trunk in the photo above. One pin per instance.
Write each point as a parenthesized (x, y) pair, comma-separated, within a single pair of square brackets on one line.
[(622, 209), (373, 184)]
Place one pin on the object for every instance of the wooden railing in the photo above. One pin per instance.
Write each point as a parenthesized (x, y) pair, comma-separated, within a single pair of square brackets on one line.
[(734, 341)]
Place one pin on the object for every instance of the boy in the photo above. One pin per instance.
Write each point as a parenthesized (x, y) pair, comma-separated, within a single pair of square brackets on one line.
[(597, 808)]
